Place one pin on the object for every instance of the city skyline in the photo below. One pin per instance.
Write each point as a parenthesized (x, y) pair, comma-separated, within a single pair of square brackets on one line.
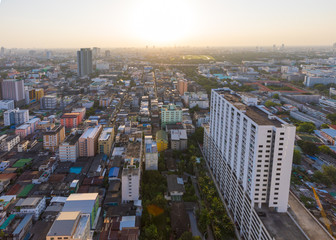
[(73, 24)]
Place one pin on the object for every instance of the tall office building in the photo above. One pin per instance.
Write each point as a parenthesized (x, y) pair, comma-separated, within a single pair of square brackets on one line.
[(249, 152), (13, 89), (84, 62), (2, 51)]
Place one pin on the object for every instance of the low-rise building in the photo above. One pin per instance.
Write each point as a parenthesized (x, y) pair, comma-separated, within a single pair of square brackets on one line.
[(161, 140), (130, 183), (23, 146), (175, 188), (27, 128), (6, 104), (105, 102), (70, 225), (31, 205), (81, 111), (9, 143), (70, 120), (170, 114), (105, 141), (48, 102), (329, 134), (85, 203), (179, 140), (53, 138), (16, 117), (69, 149), (88, 142), (20, 232)]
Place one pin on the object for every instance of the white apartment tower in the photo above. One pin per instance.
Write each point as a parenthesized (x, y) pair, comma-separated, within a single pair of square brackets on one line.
[(249, 152)]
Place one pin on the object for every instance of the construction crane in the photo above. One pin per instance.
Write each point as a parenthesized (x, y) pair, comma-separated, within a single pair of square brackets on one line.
[(324, 215)]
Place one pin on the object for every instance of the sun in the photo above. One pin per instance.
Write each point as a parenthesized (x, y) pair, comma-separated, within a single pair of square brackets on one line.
[(162, 21)]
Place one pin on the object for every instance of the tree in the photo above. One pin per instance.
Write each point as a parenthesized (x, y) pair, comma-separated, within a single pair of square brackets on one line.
[(307, 127), (308, 147), (324, 125), (186, 236), (297, 157), (332, 117), (325, 149), (276, 96), (151, 232), (271, 104)]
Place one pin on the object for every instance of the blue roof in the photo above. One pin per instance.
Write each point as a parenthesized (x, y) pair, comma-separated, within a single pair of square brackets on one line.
[(23, 223), (114, 172), (330, 132), (76, 170)]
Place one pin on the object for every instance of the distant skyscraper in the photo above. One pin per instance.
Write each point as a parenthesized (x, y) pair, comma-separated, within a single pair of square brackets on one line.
[(84, 62), (107, 53), (95, 52), (2, 52), (13, 89)]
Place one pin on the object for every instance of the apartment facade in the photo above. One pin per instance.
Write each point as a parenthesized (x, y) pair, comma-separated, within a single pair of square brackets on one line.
[(6, 104), (70, 120), (105, 141), (53, 138), (182, 86), (88, 142), (69, 149), (48, 102), (170, 114), (13, 89), (249, 152), (16, 117), (9, 143), (130, 184)]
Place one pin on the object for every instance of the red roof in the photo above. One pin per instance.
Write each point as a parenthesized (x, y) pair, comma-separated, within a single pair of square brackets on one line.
[(14, 190)]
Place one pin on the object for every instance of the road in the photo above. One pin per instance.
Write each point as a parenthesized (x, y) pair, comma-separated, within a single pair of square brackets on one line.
[(193, 224)]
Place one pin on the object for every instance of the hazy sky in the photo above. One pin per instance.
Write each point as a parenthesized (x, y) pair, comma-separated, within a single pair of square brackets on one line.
[(136, 23)]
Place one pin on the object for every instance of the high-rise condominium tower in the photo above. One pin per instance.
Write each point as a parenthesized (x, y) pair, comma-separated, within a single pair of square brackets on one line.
[(84, 62), (249, 152)]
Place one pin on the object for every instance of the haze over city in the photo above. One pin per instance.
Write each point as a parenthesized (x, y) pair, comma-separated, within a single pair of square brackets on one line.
[(133, 23), (167, 120)]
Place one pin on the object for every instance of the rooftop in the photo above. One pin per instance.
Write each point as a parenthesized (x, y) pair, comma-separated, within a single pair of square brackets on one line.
[(64, 224), (252, 111), (70, 115), (280, 225), (72, 139), (82, 196), (30, 202), (54, 130), (175, 184), (106, 133), (90, 132)]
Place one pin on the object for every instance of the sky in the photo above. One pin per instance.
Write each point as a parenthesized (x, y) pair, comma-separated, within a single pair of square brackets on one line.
[(137, 23)]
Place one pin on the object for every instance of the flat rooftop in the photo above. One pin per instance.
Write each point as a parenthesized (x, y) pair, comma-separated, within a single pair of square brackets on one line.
[(82, 196), (90, 132), (105, 135), (280, 226), (253, 112), (72, 139)]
